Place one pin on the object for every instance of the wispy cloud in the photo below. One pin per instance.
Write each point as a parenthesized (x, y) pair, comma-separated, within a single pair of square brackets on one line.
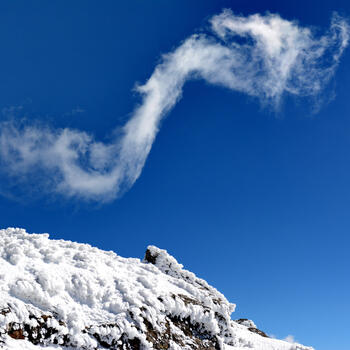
[(262, 56), (290, 339), (75, 111), (12, 111)]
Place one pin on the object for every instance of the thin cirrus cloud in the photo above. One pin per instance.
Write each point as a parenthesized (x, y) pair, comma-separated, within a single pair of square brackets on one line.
[(262, 56)]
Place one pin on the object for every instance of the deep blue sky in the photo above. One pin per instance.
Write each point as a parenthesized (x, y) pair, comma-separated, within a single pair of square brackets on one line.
[(255, 203)]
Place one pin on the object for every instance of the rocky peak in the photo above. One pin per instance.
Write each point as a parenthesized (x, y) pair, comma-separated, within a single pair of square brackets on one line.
[(66, 295)]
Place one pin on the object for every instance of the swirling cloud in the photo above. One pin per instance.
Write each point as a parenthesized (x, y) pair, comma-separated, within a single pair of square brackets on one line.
[(262, 56)]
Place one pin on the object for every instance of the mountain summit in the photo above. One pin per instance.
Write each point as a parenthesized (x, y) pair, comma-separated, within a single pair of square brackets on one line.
[(57, 294)]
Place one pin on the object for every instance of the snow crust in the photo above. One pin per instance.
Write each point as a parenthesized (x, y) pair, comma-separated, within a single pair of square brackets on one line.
[(85, 289)]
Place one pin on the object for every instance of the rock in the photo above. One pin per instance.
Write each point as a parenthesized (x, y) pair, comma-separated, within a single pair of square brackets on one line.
[(251, 326)]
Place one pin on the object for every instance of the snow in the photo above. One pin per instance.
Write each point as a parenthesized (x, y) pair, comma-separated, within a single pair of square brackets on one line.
[(12, 344), (83, 290)]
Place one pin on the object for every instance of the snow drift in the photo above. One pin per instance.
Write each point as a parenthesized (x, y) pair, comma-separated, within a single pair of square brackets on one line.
[(57, 294)]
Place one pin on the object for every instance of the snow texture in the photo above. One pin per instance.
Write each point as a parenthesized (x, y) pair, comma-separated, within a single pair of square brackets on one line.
[(57, 294)]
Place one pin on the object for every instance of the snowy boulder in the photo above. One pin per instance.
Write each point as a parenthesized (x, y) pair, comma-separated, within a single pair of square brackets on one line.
[(57, 294), (251, 326)]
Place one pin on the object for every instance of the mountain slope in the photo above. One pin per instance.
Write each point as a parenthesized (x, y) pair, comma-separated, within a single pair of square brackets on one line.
[(58, 294)]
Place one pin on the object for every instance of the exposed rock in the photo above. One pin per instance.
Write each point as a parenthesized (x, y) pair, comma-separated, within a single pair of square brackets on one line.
[(251, 326)]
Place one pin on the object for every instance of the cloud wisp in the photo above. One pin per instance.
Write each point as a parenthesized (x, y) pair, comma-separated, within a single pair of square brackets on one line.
[(262, 56)]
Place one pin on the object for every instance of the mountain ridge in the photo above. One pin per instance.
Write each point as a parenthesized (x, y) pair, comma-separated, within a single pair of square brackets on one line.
[(57, 294)]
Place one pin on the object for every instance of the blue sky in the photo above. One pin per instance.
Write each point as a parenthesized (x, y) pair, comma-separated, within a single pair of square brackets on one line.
[(254, 201)]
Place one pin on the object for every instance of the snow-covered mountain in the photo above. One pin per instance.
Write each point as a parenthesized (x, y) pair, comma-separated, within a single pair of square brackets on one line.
[(57, 294)]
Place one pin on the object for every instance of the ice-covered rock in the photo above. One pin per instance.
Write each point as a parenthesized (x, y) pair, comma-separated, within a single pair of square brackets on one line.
[(57, 294)]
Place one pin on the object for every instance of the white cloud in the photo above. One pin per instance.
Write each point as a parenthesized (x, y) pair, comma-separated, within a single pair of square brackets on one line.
[(262, 56), (290, 339)]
